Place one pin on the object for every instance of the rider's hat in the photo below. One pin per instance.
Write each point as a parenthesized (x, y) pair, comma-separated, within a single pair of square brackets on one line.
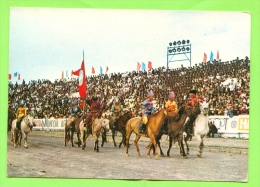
[(193, 91), (150, 94), (94, 98), (171, 94), (22, 102)]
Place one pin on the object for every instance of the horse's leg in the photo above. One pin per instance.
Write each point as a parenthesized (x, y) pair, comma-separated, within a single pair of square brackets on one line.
[(128, 134), (79, 142), (200, 137), (19, 134), (181, 145), (65, 137), (154, 143), (15, 136), (71, 137), (25, 139), (113, 137), (170, 145), (83, 139), (186, 138), (159, 145), (12, 136), (136, 144)]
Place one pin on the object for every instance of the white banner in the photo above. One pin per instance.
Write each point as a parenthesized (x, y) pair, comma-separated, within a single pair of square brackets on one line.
[(49, 124), (237, 126)]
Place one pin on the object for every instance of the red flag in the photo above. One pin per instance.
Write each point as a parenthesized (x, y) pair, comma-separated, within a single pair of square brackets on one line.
[(138, 66), (93, 70), (82, 80), (106, 69), (205, 58), (217, 55), (9, 76), (150, 65), (19, 76), (62, 75)]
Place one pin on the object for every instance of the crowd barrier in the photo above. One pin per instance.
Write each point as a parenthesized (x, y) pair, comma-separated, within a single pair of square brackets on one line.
[(237, 126)]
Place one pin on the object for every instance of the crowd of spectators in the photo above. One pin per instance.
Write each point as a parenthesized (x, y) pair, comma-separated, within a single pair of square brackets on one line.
[(225, 85)]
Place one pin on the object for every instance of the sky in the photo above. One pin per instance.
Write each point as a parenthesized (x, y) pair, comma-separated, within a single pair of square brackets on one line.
[(46, 41)]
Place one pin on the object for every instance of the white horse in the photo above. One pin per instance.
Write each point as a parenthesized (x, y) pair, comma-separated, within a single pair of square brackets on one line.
[(17, 135), (201, 127), (98, 126)]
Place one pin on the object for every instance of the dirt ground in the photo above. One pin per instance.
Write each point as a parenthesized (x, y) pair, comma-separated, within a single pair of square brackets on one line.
[(47, 157)]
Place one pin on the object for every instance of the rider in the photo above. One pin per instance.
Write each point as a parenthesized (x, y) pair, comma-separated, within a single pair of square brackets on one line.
[(116, 110), (74, 112), (192, 102), (95, 110), (147, 110), (170, 106), (20, 114)]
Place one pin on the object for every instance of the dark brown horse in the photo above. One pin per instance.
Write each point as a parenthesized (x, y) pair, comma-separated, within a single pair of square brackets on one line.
[(11, 117), (189, 126), (152, 128), (174, 128), (120, 125)]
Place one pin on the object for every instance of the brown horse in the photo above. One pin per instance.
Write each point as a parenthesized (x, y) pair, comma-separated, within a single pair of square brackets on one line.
[(70, 129), (120, 125), (11, 117), (152, 128), (189, 126)]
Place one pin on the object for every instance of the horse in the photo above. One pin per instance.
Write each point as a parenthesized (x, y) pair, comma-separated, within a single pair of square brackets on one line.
[(175, 129), (98, 126), (17, 135), (70, 129), (11, 117), (201, 127), (152, 128), (119, 125)]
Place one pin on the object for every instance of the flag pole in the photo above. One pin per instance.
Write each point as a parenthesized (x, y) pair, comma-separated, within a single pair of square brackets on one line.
[(84, 107)]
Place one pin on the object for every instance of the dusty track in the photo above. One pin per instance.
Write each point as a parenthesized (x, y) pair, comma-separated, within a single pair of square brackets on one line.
[(223, 160)]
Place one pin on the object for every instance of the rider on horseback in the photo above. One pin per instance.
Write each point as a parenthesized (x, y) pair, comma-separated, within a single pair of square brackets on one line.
[(20, 114), (192, 102), (170, 106), (74, 112), (95, 110), (116, 110), (147, 110)]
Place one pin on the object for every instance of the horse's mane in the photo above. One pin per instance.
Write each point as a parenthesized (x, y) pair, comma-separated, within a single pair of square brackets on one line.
[(181, 110)]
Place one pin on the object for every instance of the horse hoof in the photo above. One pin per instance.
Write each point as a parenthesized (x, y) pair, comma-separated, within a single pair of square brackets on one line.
[(157, 156), (148, 156), (199, 155), (186, 157), (127, 154)]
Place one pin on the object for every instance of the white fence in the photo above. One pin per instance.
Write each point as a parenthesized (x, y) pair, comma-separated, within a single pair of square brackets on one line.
[(237, 127)]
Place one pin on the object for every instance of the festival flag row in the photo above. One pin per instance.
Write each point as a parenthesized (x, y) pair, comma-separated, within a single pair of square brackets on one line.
[(211, 57), (92, 72), (16, 74), (143, 66)]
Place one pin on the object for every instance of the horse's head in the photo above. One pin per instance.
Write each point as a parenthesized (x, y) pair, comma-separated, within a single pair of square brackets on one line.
[(187, 109), (29, 121), (105, 124), (204, 107)]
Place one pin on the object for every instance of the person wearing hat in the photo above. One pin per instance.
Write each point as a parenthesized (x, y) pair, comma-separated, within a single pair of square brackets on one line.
[(147, 110), (116, 110), (95, 110), (192, 101), (170, 106), (74, 112), (20, 114)]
